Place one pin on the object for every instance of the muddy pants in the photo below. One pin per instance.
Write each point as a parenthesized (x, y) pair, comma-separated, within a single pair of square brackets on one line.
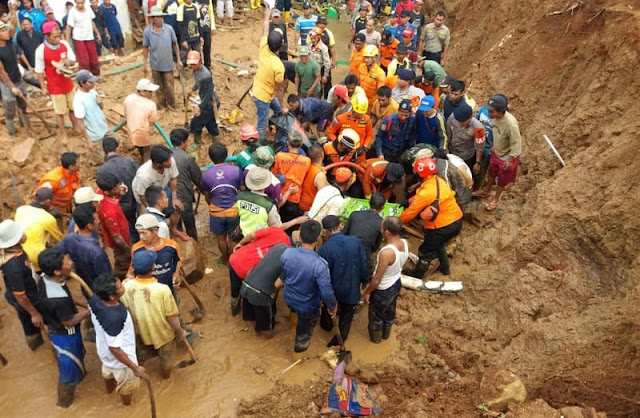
[(304, 329), (382, 307), (9, 100), (164, 95), (205, 119), (189, 220), (345, 317)]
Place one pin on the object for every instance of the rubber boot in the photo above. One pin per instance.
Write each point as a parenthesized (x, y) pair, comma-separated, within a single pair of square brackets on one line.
[(386, 332), (293, 319), (34, 341), (197, 142), (235, 306), (65, 395), (443, 257), (299, 356), (375, 336), (11, 126), (419, 270), (287, 16), (254, 4)]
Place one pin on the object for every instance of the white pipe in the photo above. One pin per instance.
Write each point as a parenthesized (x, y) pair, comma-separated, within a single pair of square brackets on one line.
[(555, 151)]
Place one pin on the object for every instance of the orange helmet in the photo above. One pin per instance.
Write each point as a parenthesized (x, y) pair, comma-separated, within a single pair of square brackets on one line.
[(425, 167), (247, 131), (315, 32)]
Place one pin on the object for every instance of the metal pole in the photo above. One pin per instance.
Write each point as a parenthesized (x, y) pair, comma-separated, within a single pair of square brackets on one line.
[(555, 151)]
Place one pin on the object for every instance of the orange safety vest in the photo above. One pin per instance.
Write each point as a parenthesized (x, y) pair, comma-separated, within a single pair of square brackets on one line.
[(370, 81), (294, 168), (309, 190), (63, 184), (362, 126), (391, 82), (375, 172), (387, 52), (449, 211), (356, 60)]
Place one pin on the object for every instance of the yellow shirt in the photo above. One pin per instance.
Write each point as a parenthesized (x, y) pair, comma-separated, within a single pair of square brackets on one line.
[(150, 303), (39, 225), (391, 108), (270, 72)]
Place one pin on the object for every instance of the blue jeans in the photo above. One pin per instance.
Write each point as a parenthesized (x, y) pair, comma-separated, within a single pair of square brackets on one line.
[(382, 307), (262, 109), (304, 328)]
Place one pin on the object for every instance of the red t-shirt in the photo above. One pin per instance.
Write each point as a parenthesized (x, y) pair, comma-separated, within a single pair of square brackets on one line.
[(113, 221), (248, 256)]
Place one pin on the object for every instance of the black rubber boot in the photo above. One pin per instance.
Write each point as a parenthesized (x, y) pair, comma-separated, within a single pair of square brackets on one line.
[(386, 332), (444, 261), (34, 341), (235, 306), (419, 270), (375, 336), (65, 395)]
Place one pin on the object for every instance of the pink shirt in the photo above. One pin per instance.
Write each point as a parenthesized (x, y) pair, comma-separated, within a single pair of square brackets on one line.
[(140, 112)]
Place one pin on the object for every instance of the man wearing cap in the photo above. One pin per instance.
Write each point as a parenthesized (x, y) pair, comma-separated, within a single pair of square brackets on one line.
[(401, 61), (12, 88), (392, 24), (372, 36), (357, 58), (21, 289), (370, 75), (388, 47), (327, 38), (339, 98), (311, 111), (168, 263), (349, 269), (58, 85), (359, 23), (404, 90), (58, 306), (357, 120), (383, 107), (63, 181), (396, 133), (381, 176), (268, 83), (158, 41), (466, 137), (278, 25), (304, 23), (320, 53), (203, 114), (40, 226), (220, 185), (507, 147), (430, 124), (87, 108), (50, 17), (403, 6), (308, 75), (154, 312), (404, 24), (81, 27), (435, 38), (188, 21), (306, 282), (140, 112)]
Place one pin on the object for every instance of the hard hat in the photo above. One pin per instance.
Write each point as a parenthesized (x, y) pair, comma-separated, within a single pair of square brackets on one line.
[(315, 31), (193, 57), (370, 51), (350, 138), (343, 175), (359, 103), (425, 167), (248, 131)]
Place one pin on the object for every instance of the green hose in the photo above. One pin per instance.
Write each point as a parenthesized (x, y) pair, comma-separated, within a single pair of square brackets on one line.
[(163, 133)]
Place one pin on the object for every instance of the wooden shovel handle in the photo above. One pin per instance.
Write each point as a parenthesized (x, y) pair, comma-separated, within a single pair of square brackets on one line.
[(84, 284), (192, 353)]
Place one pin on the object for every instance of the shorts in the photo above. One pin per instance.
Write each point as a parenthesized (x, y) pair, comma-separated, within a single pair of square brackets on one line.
[(223, 225), (126, 381), (69, 352), (265, 316), (63, 103), (496, 169), (116, 41), (169, 210), (145, 352)]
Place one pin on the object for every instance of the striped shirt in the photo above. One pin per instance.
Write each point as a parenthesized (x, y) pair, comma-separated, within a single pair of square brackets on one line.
[(304, 25), (168, 263)]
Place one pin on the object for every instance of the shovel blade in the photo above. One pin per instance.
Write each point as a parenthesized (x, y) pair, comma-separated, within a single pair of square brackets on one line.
[(344, 355), (185, 363)]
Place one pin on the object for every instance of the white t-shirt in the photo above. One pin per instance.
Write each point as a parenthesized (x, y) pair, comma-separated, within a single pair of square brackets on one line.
[(328, 201), (81, 22), (39, 57), (125, 340), (146, 176)]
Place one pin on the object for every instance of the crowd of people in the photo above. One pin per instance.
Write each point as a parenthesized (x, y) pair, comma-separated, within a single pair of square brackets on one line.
[(276, 209)]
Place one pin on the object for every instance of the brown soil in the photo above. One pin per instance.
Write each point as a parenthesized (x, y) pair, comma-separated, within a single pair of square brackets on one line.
[(550, 278)]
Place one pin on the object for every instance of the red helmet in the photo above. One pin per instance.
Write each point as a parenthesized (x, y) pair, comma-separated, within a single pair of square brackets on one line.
[(408, 32), (193, 57), (425, 167), (248, 131)]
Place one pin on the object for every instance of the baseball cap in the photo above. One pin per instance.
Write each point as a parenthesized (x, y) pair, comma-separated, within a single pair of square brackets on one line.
[(343, 175), (48, 10), (48, 27), (146, 85), (387, 38), (408, 33), (393, 14), (262, 157), (405, 104), (304, 50), (143, 261), (405, 13), (360, 37), (430, 76), (330, 222), (463, 112), (342, 92), (147, 221), (44, 193), (406, 75), (321, 19), (193, 57), (395, 172), (86, 195), (364, 6), (306, 5), (402, 49), (275, 13), (497, 102), (85, 75), (427, 103)]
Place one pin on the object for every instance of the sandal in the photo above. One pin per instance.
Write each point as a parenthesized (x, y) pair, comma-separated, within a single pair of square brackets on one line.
[(491, 206)]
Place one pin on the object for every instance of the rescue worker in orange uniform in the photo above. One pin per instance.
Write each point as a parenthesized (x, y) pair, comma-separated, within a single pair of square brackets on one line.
[(357, 58), (341, 149), (315, 179), (388, 47), (435, 203), (63, 181), (381, 176), (358, 120), (371, 76)]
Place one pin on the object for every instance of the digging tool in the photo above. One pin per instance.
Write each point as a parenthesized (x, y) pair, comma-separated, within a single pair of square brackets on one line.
[(3, 360), (295, 363), (195, 211), (24, 123), (198, 313), (87, 289), (184, 98), (238, 104), (343, 354), (50, 132), (192, 354)]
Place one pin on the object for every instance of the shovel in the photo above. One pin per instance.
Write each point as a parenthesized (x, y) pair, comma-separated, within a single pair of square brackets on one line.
[(184, 98), (343, 354), (50, 132), (197, 313), (192, 354)]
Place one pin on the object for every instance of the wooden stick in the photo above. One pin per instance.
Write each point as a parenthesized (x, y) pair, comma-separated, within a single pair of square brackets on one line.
[(193, 294), (84, 284), (152, 397), (192, 353), (413, 231)]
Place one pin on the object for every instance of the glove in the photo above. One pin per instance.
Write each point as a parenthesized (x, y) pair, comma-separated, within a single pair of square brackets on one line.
[(361, 151), (405, 204)]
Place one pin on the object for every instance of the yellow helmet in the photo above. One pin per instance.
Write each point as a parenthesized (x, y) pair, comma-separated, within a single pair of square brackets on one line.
[(350, 138), (359, 103), (370, 51)]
